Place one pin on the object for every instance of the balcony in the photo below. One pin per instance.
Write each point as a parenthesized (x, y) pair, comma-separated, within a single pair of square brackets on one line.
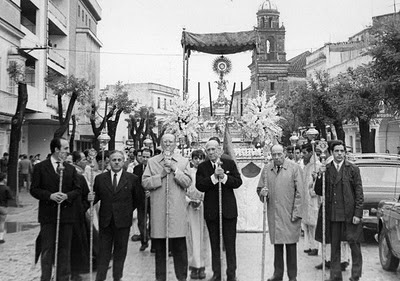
[(35, 99), (58, 19), (8, 103), (94, 8), (57, 58)]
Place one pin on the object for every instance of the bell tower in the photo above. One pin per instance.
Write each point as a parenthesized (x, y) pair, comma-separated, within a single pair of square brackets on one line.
[(269, 68)]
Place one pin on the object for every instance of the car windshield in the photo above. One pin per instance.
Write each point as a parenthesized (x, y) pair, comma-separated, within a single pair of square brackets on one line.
[(384, 177)]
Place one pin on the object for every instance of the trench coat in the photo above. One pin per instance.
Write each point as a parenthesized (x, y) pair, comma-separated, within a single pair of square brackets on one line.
[(311, 199), (284, 201), (178, 182), (353, 195)]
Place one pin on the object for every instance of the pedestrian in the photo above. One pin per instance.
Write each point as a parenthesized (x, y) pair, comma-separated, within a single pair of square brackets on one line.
[(115, 189), (131, 162), (208, 176), (4, 163), (143, 208), (311, 200), (5, 196), (290, 152), (25, 171), (198, 243), (45, 188), (344, 199), (172, 171), (282, 183), (297, 154)]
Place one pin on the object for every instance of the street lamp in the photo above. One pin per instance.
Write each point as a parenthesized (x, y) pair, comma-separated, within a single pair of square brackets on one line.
[(103, 139), (311, 134)]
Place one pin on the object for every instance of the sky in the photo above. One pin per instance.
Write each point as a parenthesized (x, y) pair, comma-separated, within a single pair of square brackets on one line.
[(141, 38)]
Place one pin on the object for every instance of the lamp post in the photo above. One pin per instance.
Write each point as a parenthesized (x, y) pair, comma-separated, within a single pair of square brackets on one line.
[(103, 139)]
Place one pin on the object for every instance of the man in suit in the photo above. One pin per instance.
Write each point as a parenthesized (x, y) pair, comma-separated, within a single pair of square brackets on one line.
[(143, 208), (116, 191), (172, 171), (208, 175), (344, 199), (45, 188)]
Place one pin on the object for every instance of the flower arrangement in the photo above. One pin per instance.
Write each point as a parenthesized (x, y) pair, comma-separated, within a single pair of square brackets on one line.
[(261, 120), (182, 119)]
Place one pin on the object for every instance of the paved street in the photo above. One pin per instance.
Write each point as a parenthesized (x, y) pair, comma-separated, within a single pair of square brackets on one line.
[(16, 257)]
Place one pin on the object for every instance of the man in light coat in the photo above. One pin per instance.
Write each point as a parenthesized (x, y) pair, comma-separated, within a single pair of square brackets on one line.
[(282, 183), (172, 171)]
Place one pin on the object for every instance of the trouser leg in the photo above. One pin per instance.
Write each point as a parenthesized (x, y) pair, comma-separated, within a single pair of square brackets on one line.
[(141, 222), (229, 234), (104, 256), (278, 261), (291, 260), (179, 252), (356, 260), (336, 271), (160, 258), (213, 231), (121, 237)]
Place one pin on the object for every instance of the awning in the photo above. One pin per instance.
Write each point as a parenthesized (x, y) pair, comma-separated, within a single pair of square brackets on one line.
[(219, 43)]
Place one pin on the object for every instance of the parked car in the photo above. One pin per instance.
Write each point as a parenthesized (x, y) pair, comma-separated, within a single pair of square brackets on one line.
[(389, 233), (380, 174)]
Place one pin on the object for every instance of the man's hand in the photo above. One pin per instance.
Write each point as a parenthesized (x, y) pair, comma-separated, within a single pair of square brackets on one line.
[(322, 169), (59, 197), (195, 204), (219, 173), (164, 172), (295, 218), (356, 220), (147, 194), (91, 196), (264, 192)]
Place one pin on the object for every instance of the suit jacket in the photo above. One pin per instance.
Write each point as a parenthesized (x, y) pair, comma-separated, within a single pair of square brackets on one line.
[(138, 171), (46, 181), (117, 205), (204, 184), (350, 179)]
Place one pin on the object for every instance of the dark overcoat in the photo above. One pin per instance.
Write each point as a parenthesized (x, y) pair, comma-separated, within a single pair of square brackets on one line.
[(350, 179)]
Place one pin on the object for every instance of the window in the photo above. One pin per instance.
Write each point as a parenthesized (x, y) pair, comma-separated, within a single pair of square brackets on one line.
[(170, 102), (90, 23), (86, 20), (165, 103), (272, 86), (83, 16), (79, 11), (158, 102)]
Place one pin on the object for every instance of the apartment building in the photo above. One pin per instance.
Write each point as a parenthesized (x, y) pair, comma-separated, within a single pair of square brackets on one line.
[(41, 37)]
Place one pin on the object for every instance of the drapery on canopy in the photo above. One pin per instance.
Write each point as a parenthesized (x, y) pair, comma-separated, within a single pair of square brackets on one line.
[(219, 43)]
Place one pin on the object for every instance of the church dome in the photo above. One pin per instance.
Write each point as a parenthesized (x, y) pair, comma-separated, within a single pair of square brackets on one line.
[(268, 5)]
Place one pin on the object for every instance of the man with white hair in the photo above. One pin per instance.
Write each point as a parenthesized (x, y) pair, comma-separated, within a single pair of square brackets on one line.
[(172, 171), (208, 176)]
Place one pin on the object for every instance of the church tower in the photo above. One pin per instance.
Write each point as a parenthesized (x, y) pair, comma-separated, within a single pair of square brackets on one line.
[(269, 68)]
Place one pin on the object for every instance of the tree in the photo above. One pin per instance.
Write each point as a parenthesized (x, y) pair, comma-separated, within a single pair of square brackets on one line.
[(141, 124), (63, 87), (385, 51), (357, 96)]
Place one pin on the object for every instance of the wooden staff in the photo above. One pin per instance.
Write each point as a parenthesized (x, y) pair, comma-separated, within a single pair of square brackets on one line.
[(218, 163), (323, 146), (92, 155), (61, 170), (264, 238), (167, 155)]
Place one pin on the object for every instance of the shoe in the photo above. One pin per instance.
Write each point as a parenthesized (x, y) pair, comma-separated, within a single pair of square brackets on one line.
[(275, 278), (215, 278), (2, 241), (313, 252), (327, 265), (135, 237), (143, 247), (202, 273), (195, 273), (344, 265), (307, 251)]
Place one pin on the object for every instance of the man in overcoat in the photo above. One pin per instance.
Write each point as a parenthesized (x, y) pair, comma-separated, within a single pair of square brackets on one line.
[(344, 210), (116, 189), (207, 177), (172, 171), (45, 188), (282, 183)]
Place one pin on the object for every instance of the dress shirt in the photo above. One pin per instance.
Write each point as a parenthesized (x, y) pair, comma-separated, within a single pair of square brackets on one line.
[(54, 163), (214, 179), (118, 175), (338, 165)]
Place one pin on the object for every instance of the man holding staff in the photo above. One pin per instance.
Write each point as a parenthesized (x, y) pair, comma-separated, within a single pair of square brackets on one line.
[(281, 183), (167, 178), (210, 175), (45, 187)]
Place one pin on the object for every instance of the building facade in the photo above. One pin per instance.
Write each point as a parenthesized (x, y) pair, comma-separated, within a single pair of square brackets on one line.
[(44, 37)]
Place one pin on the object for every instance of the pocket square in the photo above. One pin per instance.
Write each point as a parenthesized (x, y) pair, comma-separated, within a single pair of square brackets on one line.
[(227, 172)]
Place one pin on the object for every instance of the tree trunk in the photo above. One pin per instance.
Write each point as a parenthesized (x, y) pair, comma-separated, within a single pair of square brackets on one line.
[(64, 122), (372, 140), (339, 130), (320, 126), (15, 137), (365, 135), (72, 136), (112, 129)]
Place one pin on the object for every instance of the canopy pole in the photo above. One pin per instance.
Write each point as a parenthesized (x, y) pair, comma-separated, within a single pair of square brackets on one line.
[(209, 94), (187, 76), (241, 99), (183, 65), (198, 99)]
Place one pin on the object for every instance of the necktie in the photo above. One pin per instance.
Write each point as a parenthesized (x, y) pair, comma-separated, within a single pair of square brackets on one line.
[(114, 183), (279, 169), (337, 167), (58, 167)]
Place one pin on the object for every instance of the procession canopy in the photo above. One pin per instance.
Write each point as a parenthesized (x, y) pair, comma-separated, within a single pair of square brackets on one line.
[(219, 43)]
